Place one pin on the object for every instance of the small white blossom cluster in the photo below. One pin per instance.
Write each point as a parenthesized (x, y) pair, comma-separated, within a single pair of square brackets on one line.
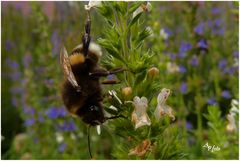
[(92, 4), (143, 8), (231, 126), (139, 114)]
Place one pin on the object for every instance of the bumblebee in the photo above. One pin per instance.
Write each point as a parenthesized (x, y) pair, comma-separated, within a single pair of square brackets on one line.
[(81, 90)]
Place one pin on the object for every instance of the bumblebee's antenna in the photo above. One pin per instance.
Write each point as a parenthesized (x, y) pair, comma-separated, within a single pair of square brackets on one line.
[(89, 146), (86, 37)]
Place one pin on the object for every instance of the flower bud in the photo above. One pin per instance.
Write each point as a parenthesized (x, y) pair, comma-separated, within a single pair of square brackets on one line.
[(152, 72), (127, 91)]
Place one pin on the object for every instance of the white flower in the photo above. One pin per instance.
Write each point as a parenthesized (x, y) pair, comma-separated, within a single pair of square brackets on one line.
[(172, 67), (92, 4), (139, 115), (143, 8), (98, 129), (2, 138), (73, 136), (231, 126), (59, 137), (114, 93), (163, 109), (234, 106), (113, 108), (163, 34)]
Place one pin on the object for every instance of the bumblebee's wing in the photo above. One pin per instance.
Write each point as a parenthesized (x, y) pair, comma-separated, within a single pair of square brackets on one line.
[(67, 70)]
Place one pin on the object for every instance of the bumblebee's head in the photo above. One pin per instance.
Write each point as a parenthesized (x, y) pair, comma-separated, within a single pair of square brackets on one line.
[(77, 56), (93, 115)]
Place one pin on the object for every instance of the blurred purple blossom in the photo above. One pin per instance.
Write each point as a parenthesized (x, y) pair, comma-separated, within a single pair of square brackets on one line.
[(218, 31), (168, 31), (41, 119), (226, 94), (9, 45), (236, 54), (199, 29), (189, 125), (15, 76), (194, 61), (16, 90), (55, 40), (184, 47), (202, 44), (29, 122), (183, 88), (172, 56), (111, 77), (182, 69), (67, 126), (218, 22), (222, 64), (27, 59), (230, 70), (55, 112), (216, 10), (29, 110), (12, 64), (62, 147), (212, 101), (14, 101)]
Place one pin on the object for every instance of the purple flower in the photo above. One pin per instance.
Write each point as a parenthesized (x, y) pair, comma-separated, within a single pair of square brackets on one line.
[(67, 126), (194, 61), (184, 47), (14, 101), (199, 29), (216, 10), (55, 112), (218, 22), (62, 147), (182, 69), (230, 70), (172, 56), (27, 59), (29, 110), (226, 94), (202, 44), (16, 90), (111, 77), (12, 63), (9, 45), (189, 125), (222, 64), (29, 122), (15, 76), (55, 40), (236, 54), (41, 119), (218, 31), (212, 101), (183, 88), (168, 31)]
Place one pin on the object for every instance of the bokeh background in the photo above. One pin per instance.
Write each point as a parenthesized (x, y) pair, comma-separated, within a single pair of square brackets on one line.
[(197, 56)]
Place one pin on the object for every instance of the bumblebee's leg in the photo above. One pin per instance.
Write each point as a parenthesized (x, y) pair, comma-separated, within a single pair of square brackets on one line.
[(110, 82), (103, 72)]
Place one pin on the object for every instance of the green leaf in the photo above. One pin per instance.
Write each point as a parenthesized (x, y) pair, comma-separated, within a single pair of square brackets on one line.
[(134, 20), (143, 35), (111, 49), (134, 6)]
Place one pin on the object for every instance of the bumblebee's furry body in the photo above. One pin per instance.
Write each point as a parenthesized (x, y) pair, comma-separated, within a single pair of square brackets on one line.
[(78, 103)]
